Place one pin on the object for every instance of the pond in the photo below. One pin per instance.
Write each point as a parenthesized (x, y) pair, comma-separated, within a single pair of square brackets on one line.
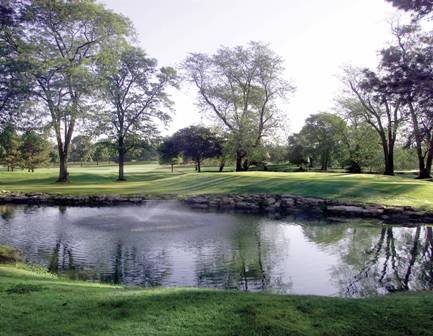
[(167, 244)]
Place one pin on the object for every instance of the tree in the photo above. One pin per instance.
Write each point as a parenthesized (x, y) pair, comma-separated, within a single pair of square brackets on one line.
[(34, 150), (13, 86), (240, 88), (169, 152), (408, 69), (134, 90), (297, 151), (10, 147), (324, 135), (197, 143), (420, 7), (363, 147), (101, 152), (61, 41), (81, 149), (372, 102)]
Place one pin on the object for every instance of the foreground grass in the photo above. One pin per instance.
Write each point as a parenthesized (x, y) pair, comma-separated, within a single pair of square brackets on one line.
[(151, 179), (35, 303)]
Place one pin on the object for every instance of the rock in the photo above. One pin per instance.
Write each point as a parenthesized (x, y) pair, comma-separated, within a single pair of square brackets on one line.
[(287, 202), (199, 206), (199, 200), (247, 205), (354, 210)]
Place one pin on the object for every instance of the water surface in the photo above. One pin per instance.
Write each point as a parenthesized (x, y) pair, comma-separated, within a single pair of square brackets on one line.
[(166, 244)]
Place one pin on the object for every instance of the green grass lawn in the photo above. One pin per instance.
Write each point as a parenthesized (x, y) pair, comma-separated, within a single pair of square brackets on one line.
[(40, 304), (152, 179)]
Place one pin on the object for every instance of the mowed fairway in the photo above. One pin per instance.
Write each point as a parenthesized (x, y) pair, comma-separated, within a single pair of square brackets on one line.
[(152, 179)]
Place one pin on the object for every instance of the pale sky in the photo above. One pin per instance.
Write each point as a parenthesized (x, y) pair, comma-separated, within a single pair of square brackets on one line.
[(314, 37)]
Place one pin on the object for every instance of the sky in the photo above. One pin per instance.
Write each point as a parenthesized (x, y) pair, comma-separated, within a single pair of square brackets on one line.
[(314, 37)]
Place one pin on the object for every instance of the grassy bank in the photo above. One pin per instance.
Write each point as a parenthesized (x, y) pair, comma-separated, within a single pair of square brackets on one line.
[(33, 302), (151, 179)]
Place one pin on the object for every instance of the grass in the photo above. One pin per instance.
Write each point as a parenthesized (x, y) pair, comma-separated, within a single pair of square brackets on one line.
[(152, 179), (33, 302)]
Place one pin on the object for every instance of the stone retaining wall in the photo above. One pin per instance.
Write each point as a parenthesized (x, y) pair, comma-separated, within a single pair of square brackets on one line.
[(288, 204), (278, 204), (45, 199)]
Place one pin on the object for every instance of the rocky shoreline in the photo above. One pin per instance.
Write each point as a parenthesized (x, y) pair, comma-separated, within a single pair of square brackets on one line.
[(286, 204), (275, 204)]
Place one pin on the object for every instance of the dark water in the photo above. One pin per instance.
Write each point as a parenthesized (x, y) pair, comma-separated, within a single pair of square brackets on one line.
[(165, 244)]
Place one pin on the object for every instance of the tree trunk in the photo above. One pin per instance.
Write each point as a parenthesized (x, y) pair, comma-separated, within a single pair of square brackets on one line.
[(63, 166), (121, 152), (238, 161), (426, 169), (198, 166), (429, 160), (422, 173), (172, 167), (222, 164), (387, 155)]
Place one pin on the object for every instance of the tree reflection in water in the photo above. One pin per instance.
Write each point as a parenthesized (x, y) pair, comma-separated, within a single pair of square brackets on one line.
[(245, 263), (169, 245), (129, 267), (394, 259)]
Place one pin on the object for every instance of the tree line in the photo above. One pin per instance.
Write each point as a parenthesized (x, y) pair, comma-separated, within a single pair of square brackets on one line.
[(383, 109), (71, 71), (72, 66)]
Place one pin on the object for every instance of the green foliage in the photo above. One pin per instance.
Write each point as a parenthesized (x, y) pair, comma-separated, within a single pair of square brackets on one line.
[(34, 150), (298, 150), (135, 92), (81, 149), (277, 153), (196, 143), (61, 41), (10, 147), (240, 88), (101, 151), (321, 139), (363, 149)]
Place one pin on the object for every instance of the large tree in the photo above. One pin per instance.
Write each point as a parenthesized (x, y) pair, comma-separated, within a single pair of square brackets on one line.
[(240, 87), (407, 65), (372, 102), (135, 93), (61, 40)]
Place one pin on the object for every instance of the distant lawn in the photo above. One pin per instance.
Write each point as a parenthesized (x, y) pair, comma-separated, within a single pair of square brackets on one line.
[(152, 179), (37, 303)]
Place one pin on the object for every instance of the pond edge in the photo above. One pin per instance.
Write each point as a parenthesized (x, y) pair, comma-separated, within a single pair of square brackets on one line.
[(275, 204)]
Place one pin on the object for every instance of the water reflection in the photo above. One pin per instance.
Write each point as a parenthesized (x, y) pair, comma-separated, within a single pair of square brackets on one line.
[(164, 244), (390, 260)]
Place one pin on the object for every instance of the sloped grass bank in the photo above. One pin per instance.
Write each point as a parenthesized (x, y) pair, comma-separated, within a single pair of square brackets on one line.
[(33, 302), (151, 179)]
